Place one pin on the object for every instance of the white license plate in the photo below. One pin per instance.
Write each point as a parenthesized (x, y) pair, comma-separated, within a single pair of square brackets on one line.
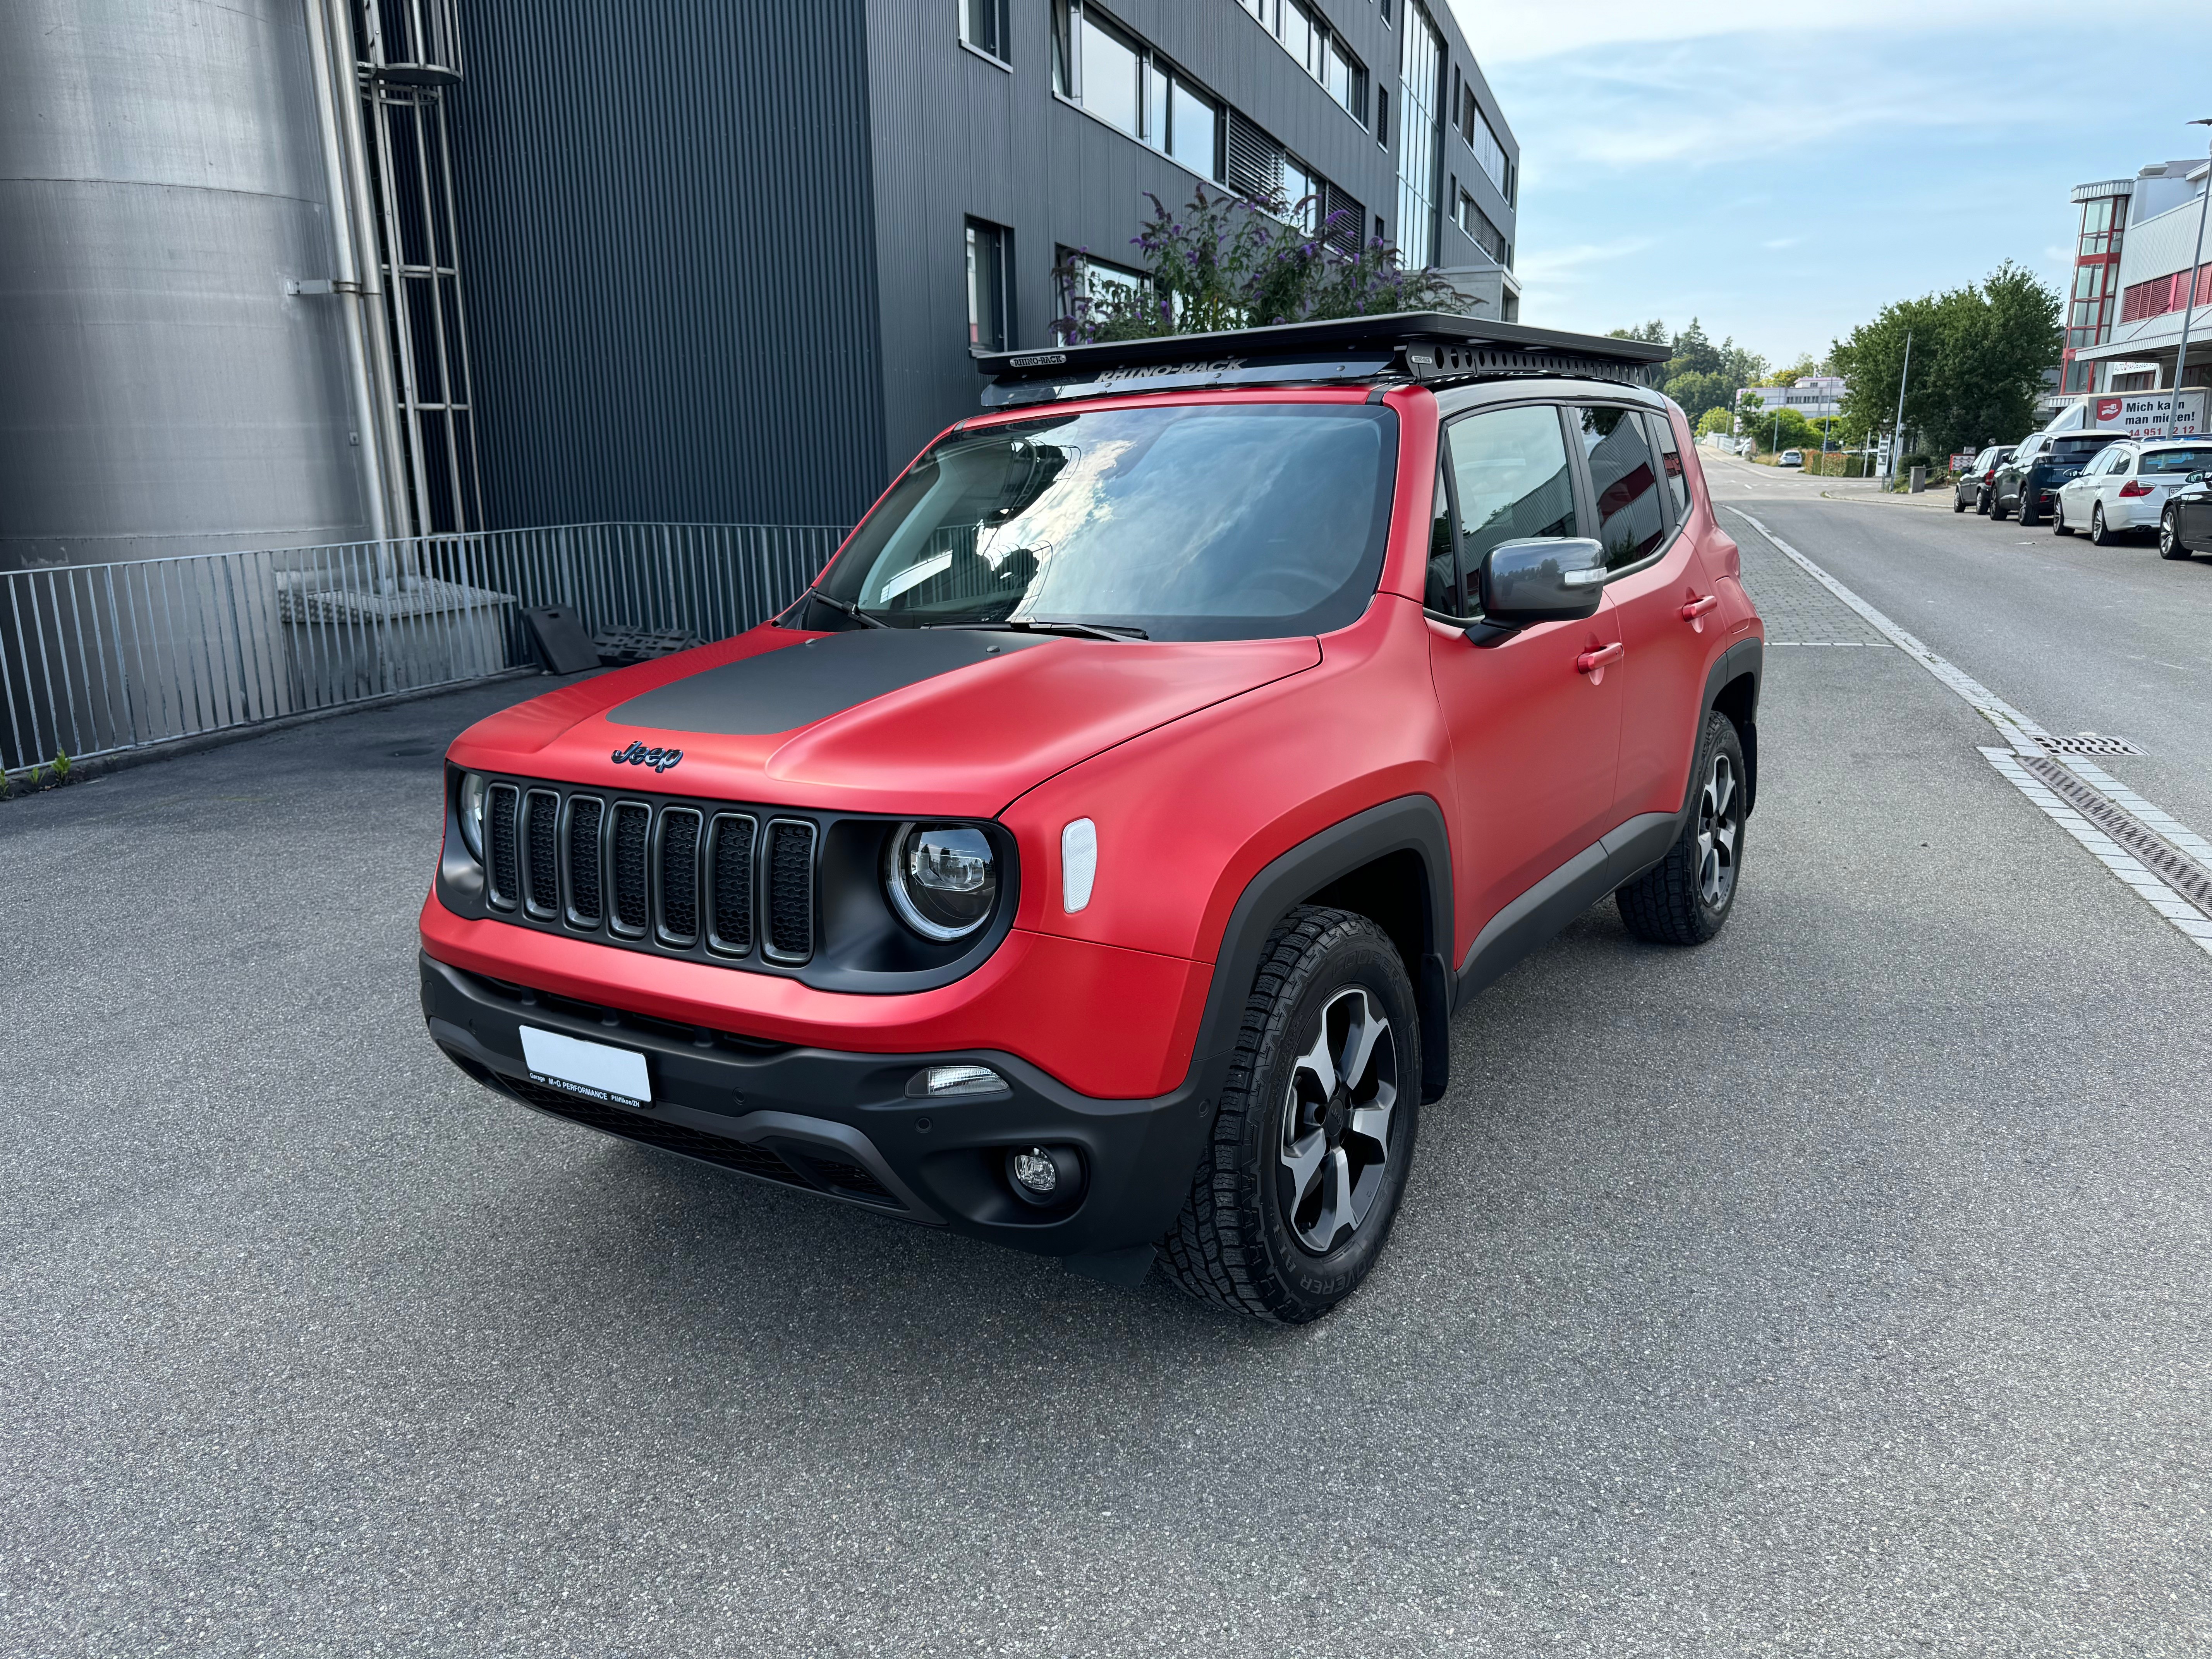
[(591, 1069)]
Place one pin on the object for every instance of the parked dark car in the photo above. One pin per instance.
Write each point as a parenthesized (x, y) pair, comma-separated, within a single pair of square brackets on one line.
[(2028, 483), (2185, 526), (1971, 487)]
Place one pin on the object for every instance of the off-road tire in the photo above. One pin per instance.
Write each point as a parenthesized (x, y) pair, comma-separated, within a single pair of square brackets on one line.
[(1233, 1244), (2058, 525), (2170, 544), (1672, 903)]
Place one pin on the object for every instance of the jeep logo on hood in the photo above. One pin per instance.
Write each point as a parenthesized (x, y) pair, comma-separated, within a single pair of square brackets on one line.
[(638, 754)]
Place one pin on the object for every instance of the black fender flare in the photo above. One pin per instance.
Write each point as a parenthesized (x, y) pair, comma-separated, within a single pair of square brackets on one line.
[(1410, 823), (1744, 657)]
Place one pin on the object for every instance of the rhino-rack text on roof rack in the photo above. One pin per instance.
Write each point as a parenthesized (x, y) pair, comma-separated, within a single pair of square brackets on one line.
[(1420, 345)]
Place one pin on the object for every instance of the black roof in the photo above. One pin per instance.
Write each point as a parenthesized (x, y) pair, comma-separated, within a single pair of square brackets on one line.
[(1424, 345)]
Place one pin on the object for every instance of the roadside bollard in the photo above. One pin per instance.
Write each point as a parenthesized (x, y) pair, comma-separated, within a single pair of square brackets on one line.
[(1919, 479)]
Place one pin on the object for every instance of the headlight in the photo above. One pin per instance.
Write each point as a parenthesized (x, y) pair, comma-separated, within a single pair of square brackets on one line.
[(472, 810), (941, 878)]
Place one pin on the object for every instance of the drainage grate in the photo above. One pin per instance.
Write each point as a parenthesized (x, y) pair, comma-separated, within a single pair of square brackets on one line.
[(2087, 744), (2176, 869)]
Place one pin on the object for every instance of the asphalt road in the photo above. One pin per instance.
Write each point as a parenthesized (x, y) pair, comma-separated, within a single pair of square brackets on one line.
[(1838, 1288)]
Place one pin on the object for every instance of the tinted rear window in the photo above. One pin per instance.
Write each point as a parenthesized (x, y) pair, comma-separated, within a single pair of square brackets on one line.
[(2183, 461), (2072, 451)]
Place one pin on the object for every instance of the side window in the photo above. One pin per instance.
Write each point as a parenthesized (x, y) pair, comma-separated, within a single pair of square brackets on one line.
[(1442, 587), (1624, 482), (1510, 467), (1670, 466)]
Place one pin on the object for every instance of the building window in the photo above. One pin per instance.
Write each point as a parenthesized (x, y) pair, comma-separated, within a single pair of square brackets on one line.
[(1306, 34), (1123, 82), (1082, 284), (989, 326), (1420, 132), (983, 26), (1476, 223), (1475, 128)]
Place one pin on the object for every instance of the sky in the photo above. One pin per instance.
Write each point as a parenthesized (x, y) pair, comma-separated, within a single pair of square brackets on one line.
[(1782, 173)]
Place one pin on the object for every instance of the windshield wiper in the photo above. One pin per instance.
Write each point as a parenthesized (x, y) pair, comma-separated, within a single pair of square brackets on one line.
[(1114, 631), (852, 610)]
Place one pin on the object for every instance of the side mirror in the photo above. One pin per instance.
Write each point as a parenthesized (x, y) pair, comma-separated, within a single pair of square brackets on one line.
[(2197, 477), (1543, 579)]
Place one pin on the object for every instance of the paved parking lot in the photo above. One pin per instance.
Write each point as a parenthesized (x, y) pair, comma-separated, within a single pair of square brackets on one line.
[(1838, 1288)]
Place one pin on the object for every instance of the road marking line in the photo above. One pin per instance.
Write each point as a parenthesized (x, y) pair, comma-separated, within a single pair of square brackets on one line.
[(2020, 734)]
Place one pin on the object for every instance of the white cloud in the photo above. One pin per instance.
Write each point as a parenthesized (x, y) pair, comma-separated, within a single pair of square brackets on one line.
[(1564, 267)]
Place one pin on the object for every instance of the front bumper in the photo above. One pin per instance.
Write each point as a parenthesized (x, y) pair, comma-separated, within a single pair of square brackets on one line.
[(843, 1124)]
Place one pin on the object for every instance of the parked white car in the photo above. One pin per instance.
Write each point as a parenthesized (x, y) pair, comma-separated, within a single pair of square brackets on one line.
[(2124, 489)]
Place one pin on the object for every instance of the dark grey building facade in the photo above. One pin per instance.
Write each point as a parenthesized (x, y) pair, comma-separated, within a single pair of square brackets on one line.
[(725, 260)]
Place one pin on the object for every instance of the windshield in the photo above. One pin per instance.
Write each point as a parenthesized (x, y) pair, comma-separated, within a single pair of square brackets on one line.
[(1217, 521), (2177, 461)]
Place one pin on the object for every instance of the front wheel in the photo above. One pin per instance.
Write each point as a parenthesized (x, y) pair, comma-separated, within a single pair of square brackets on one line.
[(1958, 502), (2058, 525), (2170, 544), (1997, 507), (1685, 898), (2029, 518), (1292, 1202), (1982, 502)]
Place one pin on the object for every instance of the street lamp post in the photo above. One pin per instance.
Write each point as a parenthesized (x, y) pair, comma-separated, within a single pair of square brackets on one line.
[(2188, 310), (1896, 432)]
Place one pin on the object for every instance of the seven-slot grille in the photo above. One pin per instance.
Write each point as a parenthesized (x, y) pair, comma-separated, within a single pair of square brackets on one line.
[(674, 877)]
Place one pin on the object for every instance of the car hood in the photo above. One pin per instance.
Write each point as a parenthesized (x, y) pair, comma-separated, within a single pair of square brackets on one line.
[(944, 722)]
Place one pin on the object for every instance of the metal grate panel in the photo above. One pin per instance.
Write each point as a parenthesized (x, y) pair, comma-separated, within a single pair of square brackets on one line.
[(586, 814), (790, 890), (627, 857), (677, 888), (503, 858), (2167, 862), (2086, 744), (541, 840), (731, 862)]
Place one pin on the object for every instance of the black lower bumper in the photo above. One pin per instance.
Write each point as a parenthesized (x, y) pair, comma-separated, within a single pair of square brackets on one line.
[(845, 1126)]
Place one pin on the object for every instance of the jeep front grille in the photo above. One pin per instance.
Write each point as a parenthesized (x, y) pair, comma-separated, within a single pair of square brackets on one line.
[(675, 877)]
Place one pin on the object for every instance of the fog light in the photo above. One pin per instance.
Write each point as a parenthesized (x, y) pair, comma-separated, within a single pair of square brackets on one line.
[(937, 1080), (1046, 1177)]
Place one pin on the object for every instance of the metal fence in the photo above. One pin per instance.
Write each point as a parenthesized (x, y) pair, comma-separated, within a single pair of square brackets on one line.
[(97, 659)]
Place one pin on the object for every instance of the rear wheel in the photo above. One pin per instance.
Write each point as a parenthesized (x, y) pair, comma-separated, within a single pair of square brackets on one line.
[(2170, 544), (1292, 1202), (2099, 535), (1685, 898)]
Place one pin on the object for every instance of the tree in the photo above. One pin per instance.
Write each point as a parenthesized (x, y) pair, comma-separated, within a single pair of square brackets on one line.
[(1699, 394), (1651, 333), (1698, 375), (1978, 354), (1713, 421), (1797, 371), (1225, 263)]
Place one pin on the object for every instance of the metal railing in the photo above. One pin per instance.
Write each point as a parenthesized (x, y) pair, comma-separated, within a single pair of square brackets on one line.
[(98, 659)]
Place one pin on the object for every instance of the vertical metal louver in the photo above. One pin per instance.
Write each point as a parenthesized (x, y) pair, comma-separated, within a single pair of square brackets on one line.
[(790, 892), (632, 823), (541, 841), (500, 844), (730, 864), (586, 814), (676, 876)]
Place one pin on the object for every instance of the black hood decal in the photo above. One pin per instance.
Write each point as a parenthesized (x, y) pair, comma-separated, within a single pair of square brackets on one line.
[(782, 691)]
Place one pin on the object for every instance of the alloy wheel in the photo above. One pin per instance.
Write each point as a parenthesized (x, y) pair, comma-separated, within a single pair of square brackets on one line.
[(1720, 824), (1335, 1148), (2167, 533), (2097, 523)]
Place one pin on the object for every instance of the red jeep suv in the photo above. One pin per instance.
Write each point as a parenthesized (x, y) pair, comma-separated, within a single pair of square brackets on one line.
[(1093, 859)]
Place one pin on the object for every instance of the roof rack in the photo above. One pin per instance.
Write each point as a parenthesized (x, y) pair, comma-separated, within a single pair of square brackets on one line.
[(1427, 346)]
